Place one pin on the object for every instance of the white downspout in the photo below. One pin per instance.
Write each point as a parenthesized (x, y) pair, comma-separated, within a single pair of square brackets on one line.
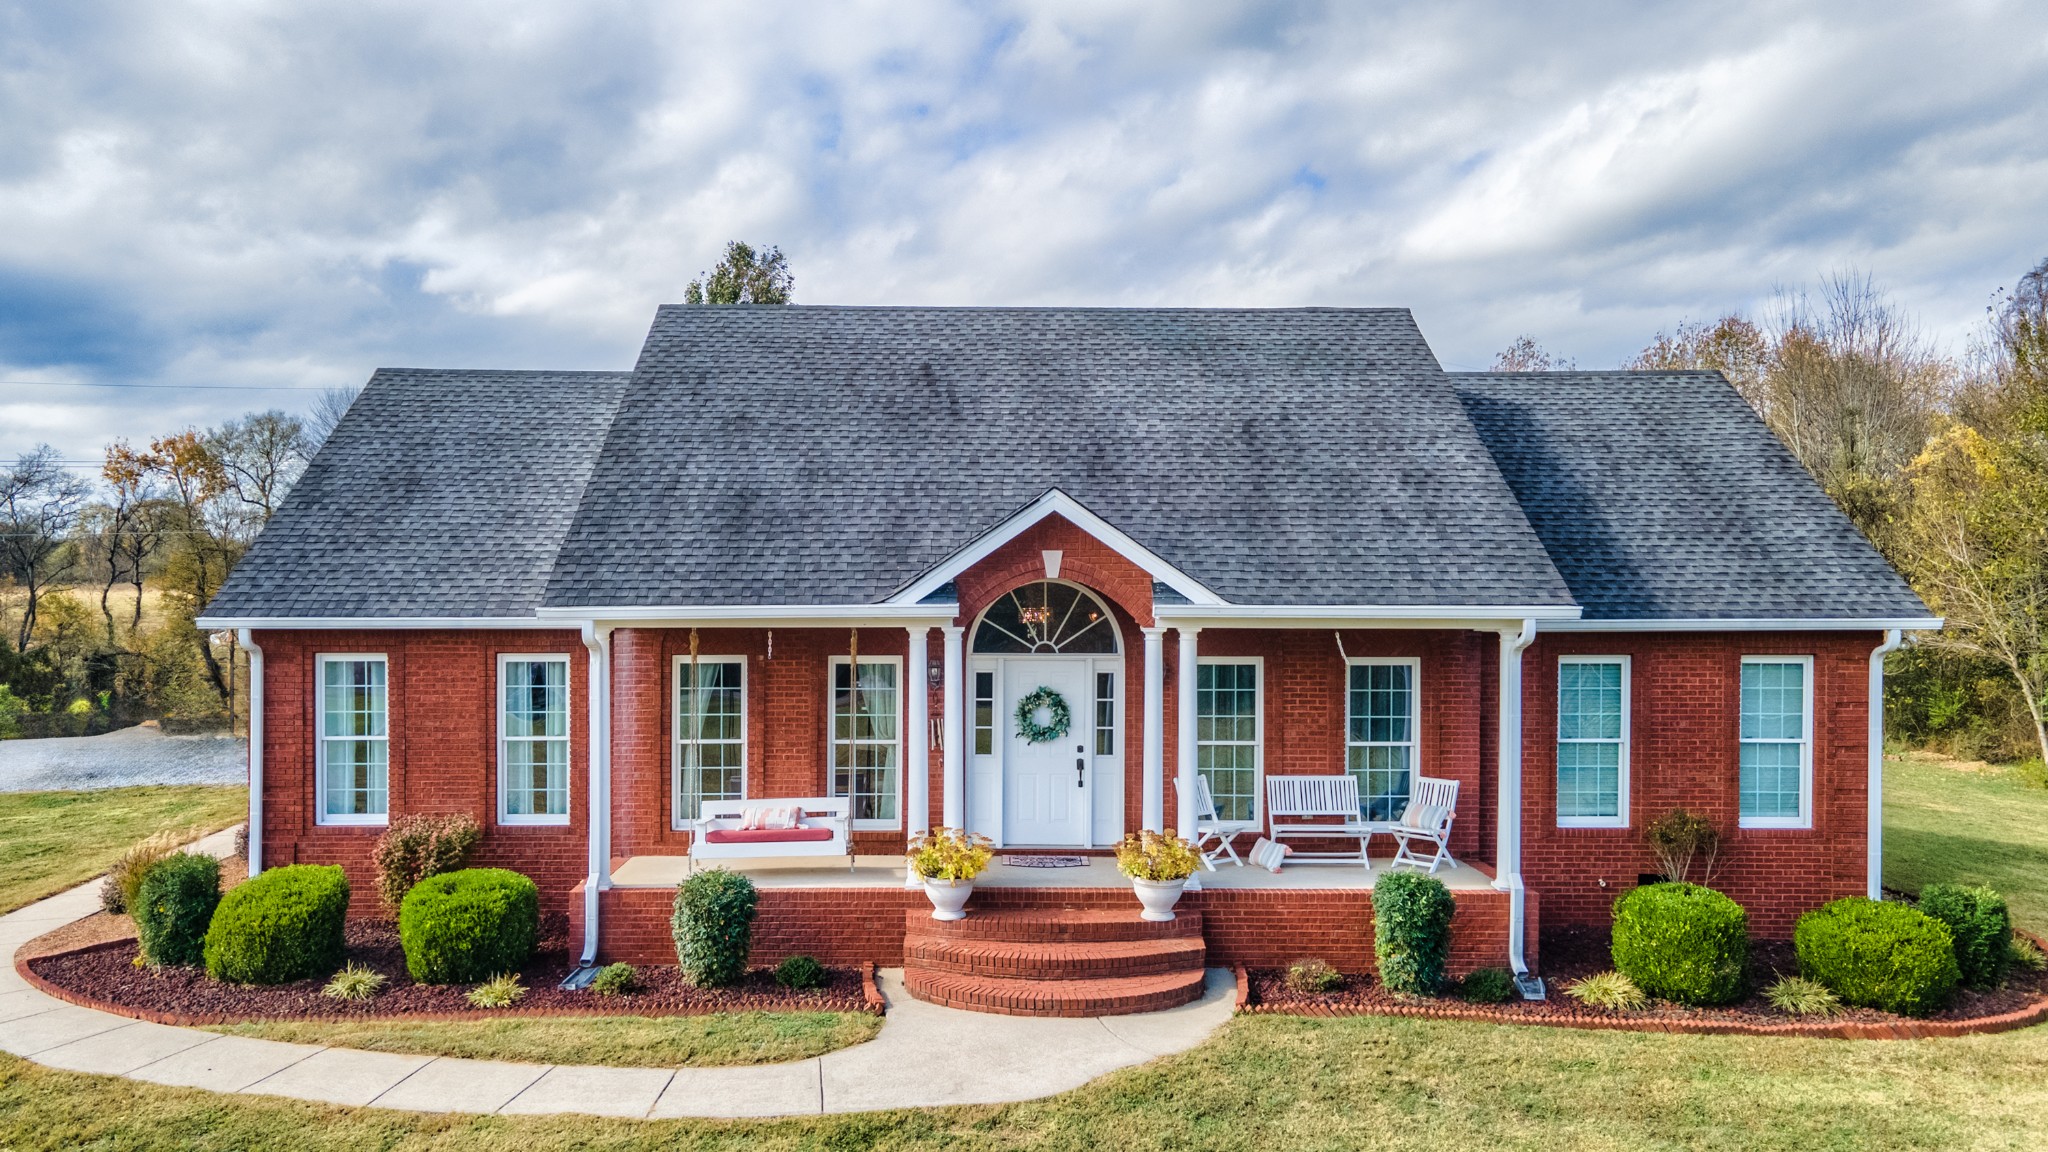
[(247, 643), (1875, 788), (1508, 834), (599, 641)]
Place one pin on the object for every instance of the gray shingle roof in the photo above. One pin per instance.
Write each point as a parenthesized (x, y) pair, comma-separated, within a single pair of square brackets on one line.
[(440, 494), (1662, 495), (803, 455)]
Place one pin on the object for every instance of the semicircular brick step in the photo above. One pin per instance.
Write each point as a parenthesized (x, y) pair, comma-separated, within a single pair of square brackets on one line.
[(1054, 962)]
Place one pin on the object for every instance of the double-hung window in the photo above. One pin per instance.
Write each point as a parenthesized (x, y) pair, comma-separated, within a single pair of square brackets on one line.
[(1592, 742), (1227, 736), (353, 758), (711, 733), (1381, 720), (1777, 742), (533, 739), (867, 741)]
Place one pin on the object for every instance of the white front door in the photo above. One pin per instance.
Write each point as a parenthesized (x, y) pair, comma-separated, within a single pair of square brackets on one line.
[(1045, 785)]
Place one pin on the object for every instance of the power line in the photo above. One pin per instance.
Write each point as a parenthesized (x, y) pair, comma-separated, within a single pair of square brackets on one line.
[(168, 387)]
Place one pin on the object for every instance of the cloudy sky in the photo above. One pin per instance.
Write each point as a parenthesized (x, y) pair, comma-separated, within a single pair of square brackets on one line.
[(237, 203)]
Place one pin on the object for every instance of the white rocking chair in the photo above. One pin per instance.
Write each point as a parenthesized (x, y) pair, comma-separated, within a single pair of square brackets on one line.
[(1428, 820), (1208, 826)]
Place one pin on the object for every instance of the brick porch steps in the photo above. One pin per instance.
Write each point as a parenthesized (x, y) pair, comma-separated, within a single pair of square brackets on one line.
[(1054, 962)]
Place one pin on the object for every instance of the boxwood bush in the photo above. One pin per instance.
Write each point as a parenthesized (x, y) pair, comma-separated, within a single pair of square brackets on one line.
[(1682, 942), (1411, 931), (1980, 925), (713, 926), (1879, 955), (174, 905), (470, 925), (283, 925)]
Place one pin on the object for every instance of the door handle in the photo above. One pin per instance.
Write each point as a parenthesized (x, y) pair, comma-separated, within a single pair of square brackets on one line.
[(1080, 773)]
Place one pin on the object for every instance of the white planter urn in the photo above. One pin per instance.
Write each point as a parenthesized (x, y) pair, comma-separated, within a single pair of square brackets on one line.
[(1158, 897), (948, 897)]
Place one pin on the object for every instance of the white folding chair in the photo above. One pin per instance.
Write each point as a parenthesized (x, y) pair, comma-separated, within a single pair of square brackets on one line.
[(1431, 809), (1209, 826)]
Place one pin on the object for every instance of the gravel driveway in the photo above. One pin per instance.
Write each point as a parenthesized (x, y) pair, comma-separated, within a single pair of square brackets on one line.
[(119, 759)]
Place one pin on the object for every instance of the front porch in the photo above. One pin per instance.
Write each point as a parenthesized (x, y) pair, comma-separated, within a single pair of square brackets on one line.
[(882, 871)]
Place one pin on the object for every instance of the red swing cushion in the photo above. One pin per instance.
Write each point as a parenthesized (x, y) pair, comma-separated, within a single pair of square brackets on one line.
[(766, 835)]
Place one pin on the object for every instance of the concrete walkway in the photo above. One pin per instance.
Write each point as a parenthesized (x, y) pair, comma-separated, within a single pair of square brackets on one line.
[(923, 1056)]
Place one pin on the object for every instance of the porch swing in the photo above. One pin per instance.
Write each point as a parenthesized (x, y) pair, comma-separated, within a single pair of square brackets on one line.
[(751, 829)]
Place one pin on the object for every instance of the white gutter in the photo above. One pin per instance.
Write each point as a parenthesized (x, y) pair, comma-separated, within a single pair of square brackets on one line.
[(247, 643), (1750, 624), (1485, 617), (1874, 789), (599, 641), (332, 623), (742, 615), (1508, 834)]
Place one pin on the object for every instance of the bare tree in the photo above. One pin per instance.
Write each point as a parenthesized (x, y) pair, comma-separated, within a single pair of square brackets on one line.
[(1732, 346), (39, 502), (128, 527), (1526, 355), (328, 409), (258, 457)]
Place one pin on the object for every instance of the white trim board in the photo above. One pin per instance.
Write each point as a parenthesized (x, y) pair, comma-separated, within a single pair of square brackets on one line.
[(765, 615), (1756, 624), (1054, 503), (381, 623), (1479, 618)]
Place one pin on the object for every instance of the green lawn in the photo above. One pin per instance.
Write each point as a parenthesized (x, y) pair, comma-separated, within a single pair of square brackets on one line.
[(51, 841), (1274, 1082), (636, 1041)]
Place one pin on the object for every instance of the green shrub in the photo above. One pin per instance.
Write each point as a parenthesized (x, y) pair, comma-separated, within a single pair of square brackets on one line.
[(468, 925), (713, 926), (1802, 997), (1613, 991), (1411, 931), (801, 973), (123, 885), (1879, 955), (1682, 942), (500, 991), (283, 925), (1978, 922), (354, 983), (1310, 977), (416, 847), (615, 980), (174, 906), (1488, 986)]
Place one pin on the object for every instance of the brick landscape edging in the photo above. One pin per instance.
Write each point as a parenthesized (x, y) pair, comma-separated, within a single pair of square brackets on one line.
[(870, 1003), (1900, 1029)]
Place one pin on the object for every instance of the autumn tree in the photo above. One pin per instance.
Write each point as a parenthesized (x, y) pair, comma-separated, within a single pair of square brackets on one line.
[(125, 529), (1526, 355), (194, 482), (39, 501), (745, 277)]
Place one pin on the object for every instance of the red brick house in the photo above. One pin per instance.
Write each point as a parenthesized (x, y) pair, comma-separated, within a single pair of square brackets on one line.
[(809, 552)]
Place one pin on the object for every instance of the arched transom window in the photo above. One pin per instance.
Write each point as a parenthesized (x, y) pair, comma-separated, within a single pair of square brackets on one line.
[(1046, 617)]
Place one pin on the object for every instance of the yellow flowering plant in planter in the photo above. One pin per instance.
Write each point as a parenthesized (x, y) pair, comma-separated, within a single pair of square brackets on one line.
[(948, 860), (1159, 864)]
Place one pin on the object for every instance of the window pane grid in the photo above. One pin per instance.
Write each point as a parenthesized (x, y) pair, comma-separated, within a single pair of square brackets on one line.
[(1589, 739), (710, 735), (1105, 714), (1380, 737), (1773, 738), (1226, 737), (984, 713), (354, 720), (865, 749), (535, 723)]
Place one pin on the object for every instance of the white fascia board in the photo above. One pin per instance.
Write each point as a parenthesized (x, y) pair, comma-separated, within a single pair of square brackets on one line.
[(762, 615), (1485, 617), (332, 623), (1056, 502), (1758, 624)]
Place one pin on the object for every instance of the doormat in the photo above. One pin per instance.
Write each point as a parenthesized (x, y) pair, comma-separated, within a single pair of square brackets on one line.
[(1046, 861)]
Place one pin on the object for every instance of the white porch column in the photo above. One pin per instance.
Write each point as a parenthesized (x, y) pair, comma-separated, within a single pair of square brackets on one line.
[(953, 798), (1154, 745), (1507, 862), (1875, 785), (917, 750), (598, 639), (248, 644), (1184, 715)]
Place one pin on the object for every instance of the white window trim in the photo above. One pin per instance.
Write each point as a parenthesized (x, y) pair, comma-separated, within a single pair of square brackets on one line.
[(1621, 818), (1414, 741), (831, 737), (1258, 664), (675, 730), (505, 815), (1116, 702), (1805, 817), (345, 819)]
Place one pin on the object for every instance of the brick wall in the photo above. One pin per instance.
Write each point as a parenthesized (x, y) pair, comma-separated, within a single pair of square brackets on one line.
[(443, 751)]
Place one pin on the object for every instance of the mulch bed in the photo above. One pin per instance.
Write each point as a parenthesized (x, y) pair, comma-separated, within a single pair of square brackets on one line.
[(104, 975), (1571, 954)]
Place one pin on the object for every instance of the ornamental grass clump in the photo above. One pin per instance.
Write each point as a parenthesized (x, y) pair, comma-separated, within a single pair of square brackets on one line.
[(713, 926), (1411, 932), (174, 906), (1310, 977), (283, 925), (1160, 857), (416, 847), (2024, 953), (800, 973), (468, 925), (615, 980), (950, 854), (118, 892), (1980, 925), (1682, 942), (1878, 954), (1610, 990), (1488, 986), (355, 983), (1802, 997), (500, 991)]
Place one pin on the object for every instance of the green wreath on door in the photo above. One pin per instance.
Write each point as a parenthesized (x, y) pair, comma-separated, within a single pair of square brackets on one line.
[(1060, 717)]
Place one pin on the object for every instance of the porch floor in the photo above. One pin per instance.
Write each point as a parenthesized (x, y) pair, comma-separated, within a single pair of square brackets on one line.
[(1098, 872)]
